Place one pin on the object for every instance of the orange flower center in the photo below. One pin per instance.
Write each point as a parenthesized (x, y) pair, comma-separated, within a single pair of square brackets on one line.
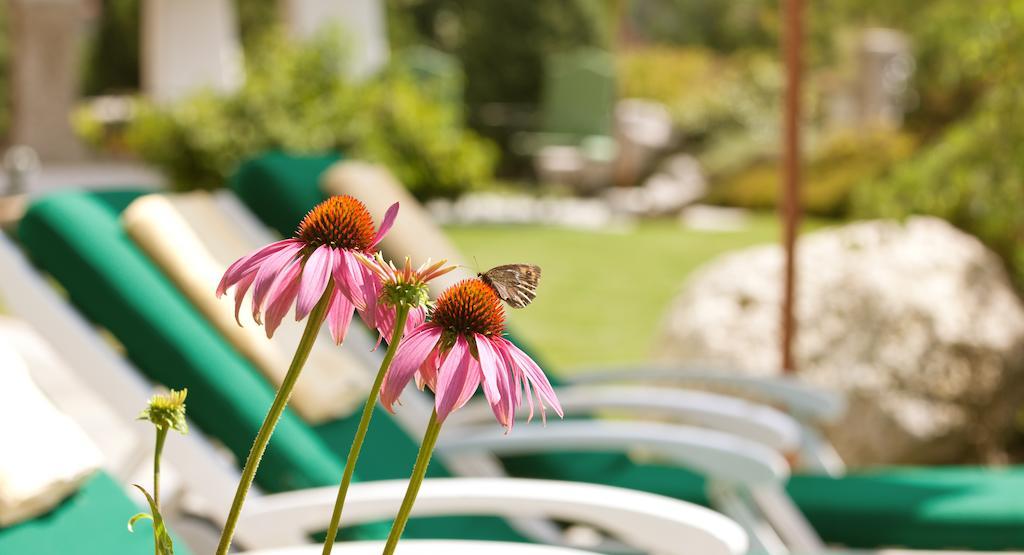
[(470, 306), (342, 222)]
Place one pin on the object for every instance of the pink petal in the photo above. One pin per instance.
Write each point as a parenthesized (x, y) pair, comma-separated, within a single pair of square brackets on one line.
[(348, 275), (384, 321), (521, 386), (370, 290), (281, 296), (373, 311), (270, 269), (389, 220), (415, 319), (240, 290), (534, 376), (427, 374), (457, 379), (496, 381), (248, 264), (490, 365), (410, 356), (339, 315), (316, 274)]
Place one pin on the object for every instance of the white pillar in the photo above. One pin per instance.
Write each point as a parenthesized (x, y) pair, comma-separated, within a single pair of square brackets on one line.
[(188, 45), (363, 23)]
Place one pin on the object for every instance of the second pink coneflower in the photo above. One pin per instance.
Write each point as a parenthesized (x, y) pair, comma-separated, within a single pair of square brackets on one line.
[(401, 300), (462, 348), (459, 349)]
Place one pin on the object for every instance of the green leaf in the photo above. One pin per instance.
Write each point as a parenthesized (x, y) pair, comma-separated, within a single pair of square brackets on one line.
[(164, 545), (136, 518)]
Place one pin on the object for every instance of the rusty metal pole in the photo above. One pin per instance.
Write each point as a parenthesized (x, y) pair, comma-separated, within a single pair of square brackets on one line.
[(792, 38)]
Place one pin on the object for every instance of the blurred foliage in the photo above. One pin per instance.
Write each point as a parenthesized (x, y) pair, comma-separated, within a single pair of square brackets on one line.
[(972, 173), (295, 98), (503, 45), (422, 140), (5, 69), (831, 175), (112, 56), (666, 74), (256, 18), (716, 24), (725, 107)]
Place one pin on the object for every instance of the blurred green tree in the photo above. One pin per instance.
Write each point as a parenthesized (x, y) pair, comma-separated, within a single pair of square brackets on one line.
[(111, 62), (503, 45), (972, 171), (5, 100), (296, 98)]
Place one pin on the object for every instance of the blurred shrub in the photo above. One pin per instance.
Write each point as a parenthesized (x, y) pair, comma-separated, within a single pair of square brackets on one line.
[(256, 18), (518, 35), (421, 140), (841, 166), (666, 74), (973, 176), (708, 94), (502, 47), (5, 99), (111, 61), (295, 99), (723, 26), (972, 173)]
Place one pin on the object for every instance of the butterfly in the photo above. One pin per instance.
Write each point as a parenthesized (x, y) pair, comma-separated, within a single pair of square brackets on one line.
[(516, 284)]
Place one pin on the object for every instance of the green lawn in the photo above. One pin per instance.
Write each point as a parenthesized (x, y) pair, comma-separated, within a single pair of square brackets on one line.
[(603, 295)]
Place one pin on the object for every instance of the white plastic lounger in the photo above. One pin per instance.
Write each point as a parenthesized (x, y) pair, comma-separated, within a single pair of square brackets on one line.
[(651, 523), (430, 547)]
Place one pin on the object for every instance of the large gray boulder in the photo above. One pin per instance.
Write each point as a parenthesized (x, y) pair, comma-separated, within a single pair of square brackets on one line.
[(916, 322)]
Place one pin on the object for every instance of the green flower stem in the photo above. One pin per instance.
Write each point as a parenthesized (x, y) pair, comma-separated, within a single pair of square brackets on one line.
[(161, 436), (401, 314), (419, 471), (252, 462)]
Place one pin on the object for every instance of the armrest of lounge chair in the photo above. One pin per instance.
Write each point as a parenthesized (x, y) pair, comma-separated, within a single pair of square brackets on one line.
[(429, 547), (651, 523), (805, 402), (719, 456), (746, 419)]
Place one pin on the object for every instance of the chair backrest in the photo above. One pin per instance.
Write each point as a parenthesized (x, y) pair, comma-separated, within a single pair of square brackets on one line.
[(77, 238), (106, 375)]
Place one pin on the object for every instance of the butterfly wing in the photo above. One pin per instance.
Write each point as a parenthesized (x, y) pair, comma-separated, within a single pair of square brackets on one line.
[(516, 284)]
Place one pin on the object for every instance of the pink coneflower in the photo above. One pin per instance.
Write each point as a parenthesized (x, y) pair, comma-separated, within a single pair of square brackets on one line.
[(326, 245), (462, 347), (394, 287)]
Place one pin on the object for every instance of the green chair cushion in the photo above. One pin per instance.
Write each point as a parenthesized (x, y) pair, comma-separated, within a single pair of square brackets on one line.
[(90, 522), (612, 469), (925, 508), (280, 188)]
